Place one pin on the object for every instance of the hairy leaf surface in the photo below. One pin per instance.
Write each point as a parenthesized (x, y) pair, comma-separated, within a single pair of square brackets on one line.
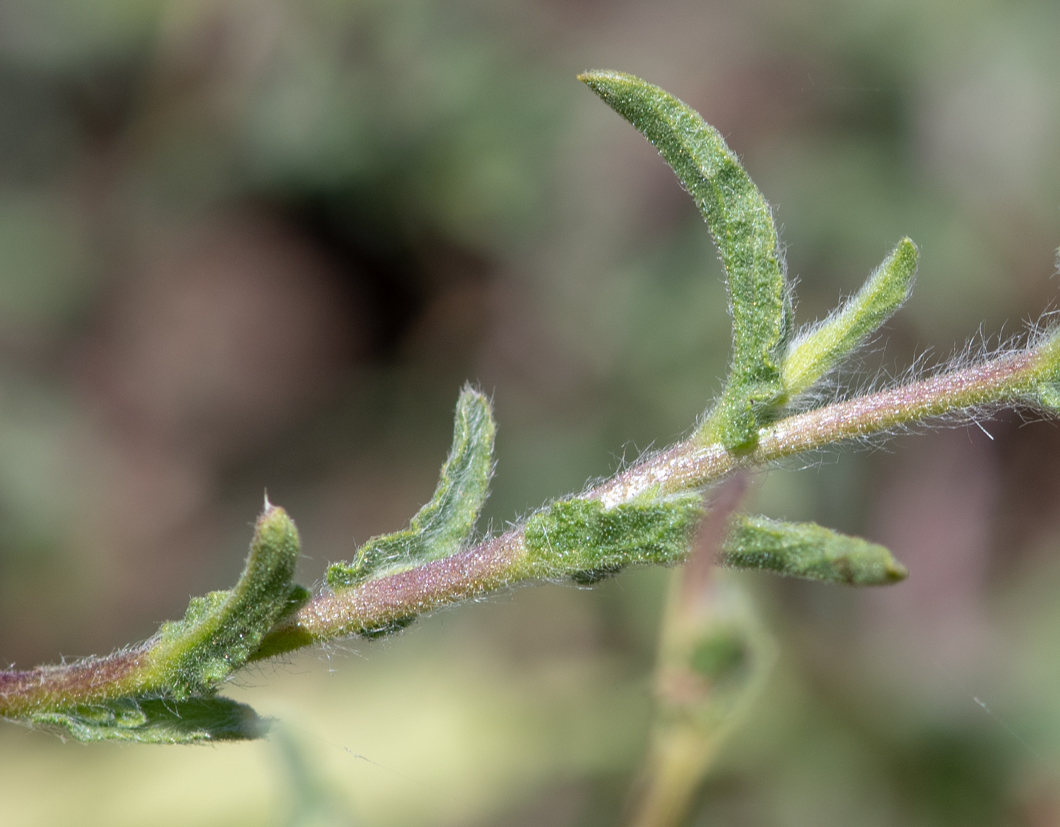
[(741, 224), (444, 525)]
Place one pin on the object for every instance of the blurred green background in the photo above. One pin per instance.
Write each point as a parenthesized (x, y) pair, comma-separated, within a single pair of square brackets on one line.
[(250, 244)]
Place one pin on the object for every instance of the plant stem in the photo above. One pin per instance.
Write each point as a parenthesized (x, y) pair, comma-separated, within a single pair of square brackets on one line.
[(92, 680), (686, 465), (388, 602), (499, 562)]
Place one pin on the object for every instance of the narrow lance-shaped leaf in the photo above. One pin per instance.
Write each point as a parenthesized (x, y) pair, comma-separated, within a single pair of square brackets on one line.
[(821, 347), (742, 226), (444, 525), (808, 551), (157, 721), (221, 630)]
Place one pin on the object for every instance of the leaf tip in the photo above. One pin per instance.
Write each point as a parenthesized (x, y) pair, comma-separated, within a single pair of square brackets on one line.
[(623, 92), (906, 257), (275, 529), (599, 76), (822, 347), (895, 572)]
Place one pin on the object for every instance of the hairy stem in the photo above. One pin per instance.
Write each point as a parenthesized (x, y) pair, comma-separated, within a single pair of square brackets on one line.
[(1010, 379), (90, 681), (502, 561), (390, 601)]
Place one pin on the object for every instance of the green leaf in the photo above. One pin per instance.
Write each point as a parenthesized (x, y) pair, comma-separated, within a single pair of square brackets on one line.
[(157, 721), (1044, 389), (809, 551), (444, 525), (821, 347), (222, 629), (1049, 396), (586, 540), (741, 224)]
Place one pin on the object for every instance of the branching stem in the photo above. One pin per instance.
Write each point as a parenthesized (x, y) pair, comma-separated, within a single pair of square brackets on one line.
[(501, 561), (388, 602)]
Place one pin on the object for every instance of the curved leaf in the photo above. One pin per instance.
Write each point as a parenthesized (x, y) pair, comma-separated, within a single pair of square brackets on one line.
[(222, 629), (442, 526), (742, 225)]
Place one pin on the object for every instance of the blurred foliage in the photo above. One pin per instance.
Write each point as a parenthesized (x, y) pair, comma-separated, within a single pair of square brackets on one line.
[(427, 196)]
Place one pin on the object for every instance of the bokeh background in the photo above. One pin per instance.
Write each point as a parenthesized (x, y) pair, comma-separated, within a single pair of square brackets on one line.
[(250, 244)]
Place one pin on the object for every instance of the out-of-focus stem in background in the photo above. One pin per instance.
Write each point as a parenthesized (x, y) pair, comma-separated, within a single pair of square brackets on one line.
[(712, 659)]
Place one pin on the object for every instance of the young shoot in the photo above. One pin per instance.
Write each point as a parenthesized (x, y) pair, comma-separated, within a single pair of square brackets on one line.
[(165, 690)]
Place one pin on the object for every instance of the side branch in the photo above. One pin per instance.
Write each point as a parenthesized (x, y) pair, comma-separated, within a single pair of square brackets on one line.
[(500, 562), (1009, 379), (388, 602)]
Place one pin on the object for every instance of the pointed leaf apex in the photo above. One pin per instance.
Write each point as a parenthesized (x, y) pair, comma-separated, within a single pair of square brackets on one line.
[(895, 571)]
